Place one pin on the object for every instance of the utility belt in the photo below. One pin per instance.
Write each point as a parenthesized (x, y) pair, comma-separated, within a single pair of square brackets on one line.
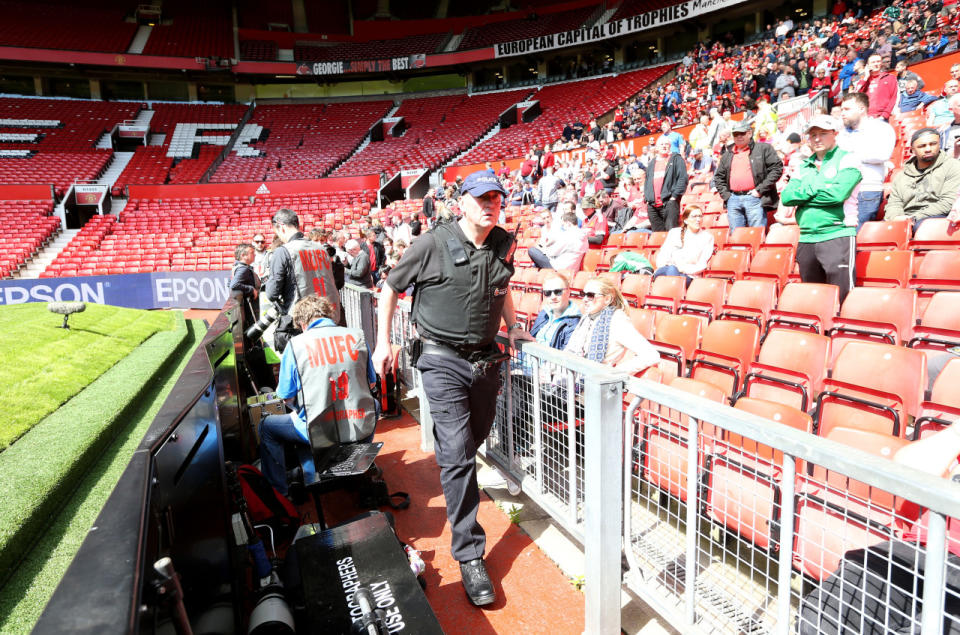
[(481, 357)]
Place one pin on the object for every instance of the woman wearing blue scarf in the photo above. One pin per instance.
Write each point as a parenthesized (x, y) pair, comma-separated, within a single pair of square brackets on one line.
[(605, 333)]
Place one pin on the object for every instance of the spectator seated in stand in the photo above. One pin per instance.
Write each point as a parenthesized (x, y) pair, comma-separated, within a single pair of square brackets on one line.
[(556, 321), (939, 113), (928, 184), (564, 247), (615, 210), (912, 98), (594, 223), (605, 333), (687, 249)]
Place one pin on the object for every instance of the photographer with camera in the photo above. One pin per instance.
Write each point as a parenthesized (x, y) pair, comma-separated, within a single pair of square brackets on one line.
[(298, 268), (327, 379)]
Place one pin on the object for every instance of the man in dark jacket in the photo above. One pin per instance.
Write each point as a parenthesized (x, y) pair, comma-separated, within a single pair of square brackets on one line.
[(375, 250), (665, 183), (428, 204), (245, 284), (359, 272), (746, 179)]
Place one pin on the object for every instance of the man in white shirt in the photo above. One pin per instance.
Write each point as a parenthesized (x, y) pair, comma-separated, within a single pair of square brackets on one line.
[(564, 249), (871, 140), (403, 231)]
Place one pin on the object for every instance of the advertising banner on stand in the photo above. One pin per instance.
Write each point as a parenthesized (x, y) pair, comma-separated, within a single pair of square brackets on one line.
[(616, 28), (346, 67), (160, 290)]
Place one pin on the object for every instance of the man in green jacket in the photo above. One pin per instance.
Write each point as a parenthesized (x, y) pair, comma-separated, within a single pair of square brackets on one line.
[(824, 190), (928, 185)]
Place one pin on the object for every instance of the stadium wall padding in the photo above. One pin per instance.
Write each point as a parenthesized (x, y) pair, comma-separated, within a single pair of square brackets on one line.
[(305, 186)]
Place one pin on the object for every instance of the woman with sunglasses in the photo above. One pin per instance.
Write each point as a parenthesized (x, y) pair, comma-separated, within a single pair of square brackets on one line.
[(687, 249), (605, 333)]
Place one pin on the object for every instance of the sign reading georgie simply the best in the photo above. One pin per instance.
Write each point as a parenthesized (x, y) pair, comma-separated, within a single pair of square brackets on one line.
[(624, 26)]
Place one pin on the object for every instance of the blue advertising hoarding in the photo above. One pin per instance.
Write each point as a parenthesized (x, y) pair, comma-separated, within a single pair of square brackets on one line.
[(159, 290)]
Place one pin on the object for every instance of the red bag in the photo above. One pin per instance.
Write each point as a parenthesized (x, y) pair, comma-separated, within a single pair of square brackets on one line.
[(265, 504)]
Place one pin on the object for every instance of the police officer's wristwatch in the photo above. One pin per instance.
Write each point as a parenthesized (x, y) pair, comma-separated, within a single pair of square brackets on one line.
[(517, 325)]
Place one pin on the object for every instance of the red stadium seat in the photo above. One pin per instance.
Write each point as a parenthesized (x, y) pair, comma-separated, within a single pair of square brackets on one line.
[(806, 305), (744, 477), (790, 368), (727, 349)]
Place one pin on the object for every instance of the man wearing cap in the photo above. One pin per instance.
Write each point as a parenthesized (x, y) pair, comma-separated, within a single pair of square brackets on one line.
[(872, 141), (594, 225), (824, 191), (460, 272), (746, 179), (928, 185)]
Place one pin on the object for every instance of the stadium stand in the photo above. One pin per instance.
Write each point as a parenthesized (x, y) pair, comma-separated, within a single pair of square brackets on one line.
[(33, 227), (259, 50), (197, 30), (328, 17), (376, 49), (302, 141), (79, 26), (192, 234), (259, 15), (562, 104), (152, 164), (533, 26), (437, 129), (61, 135)]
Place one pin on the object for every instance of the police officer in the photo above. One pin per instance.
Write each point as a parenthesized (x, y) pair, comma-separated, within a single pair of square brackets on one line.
[(299, 267), (326, 377), (461, 272)]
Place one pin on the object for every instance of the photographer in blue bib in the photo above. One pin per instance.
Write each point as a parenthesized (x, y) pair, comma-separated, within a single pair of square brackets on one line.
[(327, 379), (460, 272)]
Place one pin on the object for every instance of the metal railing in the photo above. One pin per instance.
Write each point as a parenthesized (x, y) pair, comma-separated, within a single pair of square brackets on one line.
[(727, 521)]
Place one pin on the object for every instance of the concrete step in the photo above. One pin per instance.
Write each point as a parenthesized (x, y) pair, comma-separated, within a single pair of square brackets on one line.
[(105, 143), (453, 43), (115, 168), (35, 265), (144, 117), (140, 39)]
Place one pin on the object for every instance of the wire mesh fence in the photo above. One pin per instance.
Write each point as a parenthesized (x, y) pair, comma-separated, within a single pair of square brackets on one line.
[(734, 519), (736, 536), (539, 432)]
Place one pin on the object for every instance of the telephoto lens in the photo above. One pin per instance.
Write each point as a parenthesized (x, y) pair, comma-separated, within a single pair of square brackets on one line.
[(261, 325)]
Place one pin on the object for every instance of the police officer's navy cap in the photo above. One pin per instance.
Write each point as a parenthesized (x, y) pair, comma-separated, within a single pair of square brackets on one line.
[(481, 182)]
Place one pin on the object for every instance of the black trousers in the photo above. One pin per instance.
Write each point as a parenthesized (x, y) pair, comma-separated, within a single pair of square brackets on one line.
[(875, 592), (830, 261), (665, 217), (463, 407)]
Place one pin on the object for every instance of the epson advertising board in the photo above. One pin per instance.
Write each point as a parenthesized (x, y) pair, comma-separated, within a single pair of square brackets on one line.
[(160, 290)]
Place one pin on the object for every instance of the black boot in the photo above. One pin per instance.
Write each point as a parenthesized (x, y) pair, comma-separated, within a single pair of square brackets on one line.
[(476, 582)]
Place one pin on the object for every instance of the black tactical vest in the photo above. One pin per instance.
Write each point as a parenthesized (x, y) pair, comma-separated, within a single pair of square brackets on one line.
[(465, 306)]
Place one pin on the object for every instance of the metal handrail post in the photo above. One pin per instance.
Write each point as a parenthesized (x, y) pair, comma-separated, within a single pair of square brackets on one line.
[(603, 421)]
